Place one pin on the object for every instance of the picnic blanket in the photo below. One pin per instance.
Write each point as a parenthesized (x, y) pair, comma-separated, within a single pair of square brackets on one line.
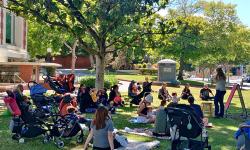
[(144, 132), (135, 145)]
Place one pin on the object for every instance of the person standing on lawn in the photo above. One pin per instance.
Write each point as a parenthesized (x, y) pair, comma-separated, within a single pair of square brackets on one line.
[(101, 130), (220, 80)]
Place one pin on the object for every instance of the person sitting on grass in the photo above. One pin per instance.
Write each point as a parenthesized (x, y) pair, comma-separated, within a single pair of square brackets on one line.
[(204, 93), (146, 86), (101, 130), (195, 107), (243, 136), (160, 128), (86, 103), (175, 99), (102, 97), (115, 96), (66, 103), (132, 90), (144, 111), (186, 92), (163, 93)]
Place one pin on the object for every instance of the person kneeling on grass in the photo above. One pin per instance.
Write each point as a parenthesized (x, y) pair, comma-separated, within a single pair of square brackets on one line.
[(145, 111), (101, 131), (186, 92)]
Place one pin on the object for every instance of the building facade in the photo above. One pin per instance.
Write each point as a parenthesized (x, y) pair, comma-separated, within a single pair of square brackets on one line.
[(13, 36)]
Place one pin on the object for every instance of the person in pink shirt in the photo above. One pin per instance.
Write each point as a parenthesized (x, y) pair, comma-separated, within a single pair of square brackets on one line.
[(11, 104)]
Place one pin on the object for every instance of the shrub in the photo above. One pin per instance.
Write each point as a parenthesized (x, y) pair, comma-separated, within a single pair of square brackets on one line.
[(139, 66), (89, 81), (144, 65), (145, 71)]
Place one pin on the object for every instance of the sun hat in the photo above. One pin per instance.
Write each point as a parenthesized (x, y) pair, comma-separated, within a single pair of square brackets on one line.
[(149, 98)]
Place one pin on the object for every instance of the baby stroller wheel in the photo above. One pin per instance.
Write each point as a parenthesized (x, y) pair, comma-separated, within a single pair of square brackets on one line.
[(16, 137), (46, 139), (60, 144), (79, 139)]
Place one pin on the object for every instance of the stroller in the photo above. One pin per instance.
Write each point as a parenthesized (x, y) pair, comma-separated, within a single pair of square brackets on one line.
[(68, 126), (24, 124), (184, 123), (62, 83), (44, 105)]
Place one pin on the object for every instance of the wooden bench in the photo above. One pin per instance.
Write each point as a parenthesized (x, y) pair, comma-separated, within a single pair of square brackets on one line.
[(207, 107)]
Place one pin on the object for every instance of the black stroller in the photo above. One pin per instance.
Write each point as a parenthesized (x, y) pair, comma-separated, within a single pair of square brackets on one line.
[(45, 105), (61, 84), (184, 123), (68, 126)]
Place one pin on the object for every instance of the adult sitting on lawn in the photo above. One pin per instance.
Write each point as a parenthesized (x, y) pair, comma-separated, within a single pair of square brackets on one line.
[(243, 136), (115, 96), (204, 93), (144, 112), (161, 128), (195, 107), (146, 86), (101, 131), (163, 93), (132, 90), (86, 103), (18, 92), (186, 92)]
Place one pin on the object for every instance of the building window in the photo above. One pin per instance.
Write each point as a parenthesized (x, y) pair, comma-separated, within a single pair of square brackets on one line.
[(8, 27)]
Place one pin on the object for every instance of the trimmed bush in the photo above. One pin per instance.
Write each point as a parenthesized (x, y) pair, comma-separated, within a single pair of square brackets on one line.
[(192, 83), (145, 71), (89, 81)]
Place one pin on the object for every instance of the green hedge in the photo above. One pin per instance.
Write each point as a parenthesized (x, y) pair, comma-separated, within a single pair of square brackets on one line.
[(89, 81), (192, 83), (145, 71)]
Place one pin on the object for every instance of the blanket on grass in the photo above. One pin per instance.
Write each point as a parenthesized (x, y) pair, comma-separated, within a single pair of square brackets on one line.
[(144, 132), (135, 145)]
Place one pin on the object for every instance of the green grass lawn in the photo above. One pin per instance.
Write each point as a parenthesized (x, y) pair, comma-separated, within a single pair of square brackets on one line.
[(220, 136)]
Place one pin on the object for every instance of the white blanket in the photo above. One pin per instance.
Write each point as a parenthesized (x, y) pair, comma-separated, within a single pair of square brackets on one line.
[(134, 145)]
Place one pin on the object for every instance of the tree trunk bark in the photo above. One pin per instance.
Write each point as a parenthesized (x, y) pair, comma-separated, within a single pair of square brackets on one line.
[(180, 75), (73, 65), (100, 67)]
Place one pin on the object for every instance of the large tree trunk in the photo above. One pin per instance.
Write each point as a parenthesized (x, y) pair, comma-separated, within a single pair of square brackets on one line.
[(73, 63), (180, 75), (100, 67)]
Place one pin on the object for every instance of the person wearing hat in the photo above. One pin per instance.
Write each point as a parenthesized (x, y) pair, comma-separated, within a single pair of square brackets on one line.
[(144, 111)]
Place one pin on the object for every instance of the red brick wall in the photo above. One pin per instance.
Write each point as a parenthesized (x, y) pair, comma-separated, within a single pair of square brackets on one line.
[(82, 62), (26, 73)]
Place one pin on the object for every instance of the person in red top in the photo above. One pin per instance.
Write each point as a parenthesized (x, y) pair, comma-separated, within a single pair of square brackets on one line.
[(67, 103), (11, 103)]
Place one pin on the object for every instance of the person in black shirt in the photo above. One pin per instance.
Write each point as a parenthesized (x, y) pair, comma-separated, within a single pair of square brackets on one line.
[(146, 86), (186, 92), (204, 93), (195, 107)]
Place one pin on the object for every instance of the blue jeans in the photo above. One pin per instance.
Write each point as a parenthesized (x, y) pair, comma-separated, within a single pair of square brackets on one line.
[(218, 103)]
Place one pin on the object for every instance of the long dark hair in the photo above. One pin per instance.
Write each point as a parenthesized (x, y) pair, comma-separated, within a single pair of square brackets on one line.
[(114, 87), (101, 115), (220, 74)]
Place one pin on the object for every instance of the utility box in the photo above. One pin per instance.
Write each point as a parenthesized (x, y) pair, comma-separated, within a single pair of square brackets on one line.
[(167, 71)]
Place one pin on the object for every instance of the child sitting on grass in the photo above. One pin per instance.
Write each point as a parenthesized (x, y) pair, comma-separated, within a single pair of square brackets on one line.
[(175, 99)]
